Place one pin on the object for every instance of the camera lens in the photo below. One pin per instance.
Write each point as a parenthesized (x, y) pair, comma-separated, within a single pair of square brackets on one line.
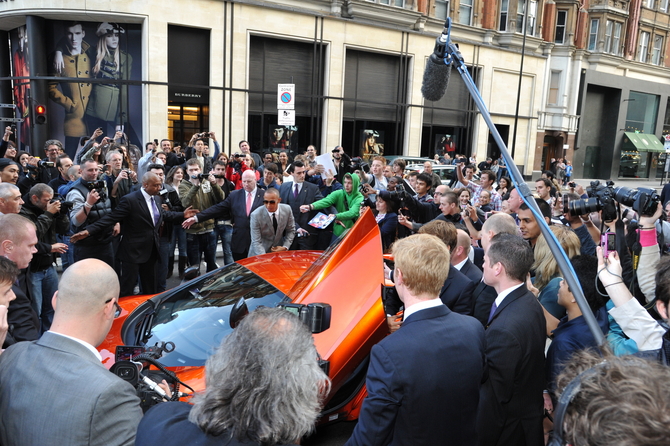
[(625, 195)]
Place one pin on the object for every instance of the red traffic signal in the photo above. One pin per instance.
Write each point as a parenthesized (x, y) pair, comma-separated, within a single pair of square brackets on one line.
[(40, 114)]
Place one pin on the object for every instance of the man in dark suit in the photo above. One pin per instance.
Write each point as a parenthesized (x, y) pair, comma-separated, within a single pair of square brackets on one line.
[(237, 207), (423, 380), (18, 240), (140, 214), (460, 257), (272, 226), (457, 289), (100, 408), (511, 404), (295, 194), (484, 295)]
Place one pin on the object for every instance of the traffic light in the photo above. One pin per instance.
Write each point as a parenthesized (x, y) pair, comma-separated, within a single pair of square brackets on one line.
[(40, 114)]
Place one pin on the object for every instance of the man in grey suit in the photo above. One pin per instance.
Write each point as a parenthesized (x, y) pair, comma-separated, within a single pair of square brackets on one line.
[(272, 226), (55, 391)]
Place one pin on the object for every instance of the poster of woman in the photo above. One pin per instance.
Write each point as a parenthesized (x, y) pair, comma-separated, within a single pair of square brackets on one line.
[(372, 143)]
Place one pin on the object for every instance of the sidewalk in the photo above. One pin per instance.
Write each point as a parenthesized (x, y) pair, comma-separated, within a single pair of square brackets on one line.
[(633, 183)]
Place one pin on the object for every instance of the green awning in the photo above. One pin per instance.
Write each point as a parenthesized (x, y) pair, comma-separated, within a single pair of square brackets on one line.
[(642, 142)]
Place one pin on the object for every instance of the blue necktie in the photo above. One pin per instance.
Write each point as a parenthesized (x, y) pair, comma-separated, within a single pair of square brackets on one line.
[(155, 212), (494, 307)]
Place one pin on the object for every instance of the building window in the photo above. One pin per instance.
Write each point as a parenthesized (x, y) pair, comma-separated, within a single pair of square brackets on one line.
[(398, 3), (656, 50), (532, 13), (644, 47), (593, 35), (651, 4), (642, 111), (465, 12), (503, 15), (561, 19), (441, 9), (612, 37), (554, 86), (663, 6)]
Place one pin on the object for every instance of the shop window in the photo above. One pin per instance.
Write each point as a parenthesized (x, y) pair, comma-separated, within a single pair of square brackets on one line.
[(642, 112)]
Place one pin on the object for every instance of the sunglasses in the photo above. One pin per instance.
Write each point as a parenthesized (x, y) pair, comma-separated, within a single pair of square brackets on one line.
[(117, 313), (269, 202)]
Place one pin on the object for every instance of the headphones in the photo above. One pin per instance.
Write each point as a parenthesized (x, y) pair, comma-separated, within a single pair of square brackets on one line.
[(564, 401)]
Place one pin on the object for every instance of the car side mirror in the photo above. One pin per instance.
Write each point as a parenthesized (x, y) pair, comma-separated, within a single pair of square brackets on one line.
[(238, 312)]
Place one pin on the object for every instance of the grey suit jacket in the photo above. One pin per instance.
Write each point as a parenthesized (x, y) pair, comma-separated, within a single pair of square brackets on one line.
[(54, 391), (263, 236)]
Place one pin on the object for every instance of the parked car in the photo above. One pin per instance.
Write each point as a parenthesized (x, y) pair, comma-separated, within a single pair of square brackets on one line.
[(409, 159), (443, 170), (196, 315)]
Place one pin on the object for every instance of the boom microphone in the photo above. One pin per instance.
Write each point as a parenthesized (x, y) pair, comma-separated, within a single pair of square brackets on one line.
[(436, 75)]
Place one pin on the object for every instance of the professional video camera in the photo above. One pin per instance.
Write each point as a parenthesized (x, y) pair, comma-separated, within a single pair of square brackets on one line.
[(99, 186), (601, 198), (132, 365), (643, 200), (317, 318)]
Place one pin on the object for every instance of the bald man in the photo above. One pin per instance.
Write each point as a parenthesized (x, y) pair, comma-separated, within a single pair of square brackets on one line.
[(87, 405), (141, 215), (460, 259), (237, 207)]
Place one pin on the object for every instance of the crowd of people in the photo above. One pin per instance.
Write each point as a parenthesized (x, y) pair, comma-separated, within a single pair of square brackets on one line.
[(478, 292)]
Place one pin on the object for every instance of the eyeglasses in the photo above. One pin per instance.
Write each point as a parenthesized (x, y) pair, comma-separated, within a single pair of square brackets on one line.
[(117, 313), (269, 202)]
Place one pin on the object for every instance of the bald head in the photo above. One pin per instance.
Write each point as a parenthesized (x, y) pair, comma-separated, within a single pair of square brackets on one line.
[(249, 180), (497, 224), (85, 286)]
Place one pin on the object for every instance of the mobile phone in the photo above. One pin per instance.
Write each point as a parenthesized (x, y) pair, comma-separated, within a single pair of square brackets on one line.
[(608, 243), (119, 128)]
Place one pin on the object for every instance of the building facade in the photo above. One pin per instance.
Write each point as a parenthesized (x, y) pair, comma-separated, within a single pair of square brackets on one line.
[(357, 67)]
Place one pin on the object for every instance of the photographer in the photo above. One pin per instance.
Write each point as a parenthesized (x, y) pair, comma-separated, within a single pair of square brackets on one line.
[(44, 211), (119, 180), (91, 202), (196, 147), (236, 166), (200, 192)]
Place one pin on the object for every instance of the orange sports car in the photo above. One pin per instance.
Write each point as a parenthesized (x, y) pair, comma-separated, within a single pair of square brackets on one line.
[(195, 316)]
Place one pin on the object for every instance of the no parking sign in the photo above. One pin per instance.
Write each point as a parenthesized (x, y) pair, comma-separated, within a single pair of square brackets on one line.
[(285, 96)]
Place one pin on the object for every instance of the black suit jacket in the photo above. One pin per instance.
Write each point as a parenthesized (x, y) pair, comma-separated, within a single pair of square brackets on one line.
[(470, 270), (423, 383), (511, 405), (479, 258), (139, 234), (457, 292), (483, 296), (309, 193), (234, 208), (23, 322)]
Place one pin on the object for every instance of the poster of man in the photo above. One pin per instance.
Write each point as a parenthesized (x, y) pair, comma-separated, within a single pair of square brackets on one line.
[(444, 144), (21, 87), (283, 137), (72, 59), (372, 143)]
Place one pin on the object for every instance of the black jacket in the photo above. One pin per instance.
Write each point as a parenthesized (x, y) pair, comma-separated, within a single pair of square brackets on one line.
[(47, 225)]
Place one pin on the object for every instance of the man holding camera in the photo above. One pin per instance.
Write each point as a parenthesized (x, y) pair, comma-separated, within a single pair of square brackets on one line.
[(91, 202), (200, 192), (120, 181), (42, 278)]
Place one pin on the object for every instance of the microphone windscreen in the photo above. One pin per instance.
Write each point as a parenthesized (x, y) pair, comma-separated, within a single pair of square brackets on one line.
[(435, 80)]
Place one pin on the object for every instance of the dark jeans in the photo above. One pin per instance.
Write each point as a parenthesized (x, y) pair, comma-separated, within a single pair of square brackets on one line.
[(199, 244), (178, 239), (102, 251), (42, 286), (225, 233), (162, 264)]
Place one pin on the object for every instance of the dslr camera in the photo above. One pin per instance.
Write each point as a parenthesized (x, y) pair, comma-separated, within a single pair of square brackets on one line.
[(644, 200), (99, 186), (601, 198)]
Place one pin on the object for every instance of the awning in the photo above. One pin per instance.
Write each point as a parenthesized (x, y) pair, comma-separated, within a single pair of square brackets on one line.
[(643, 142)]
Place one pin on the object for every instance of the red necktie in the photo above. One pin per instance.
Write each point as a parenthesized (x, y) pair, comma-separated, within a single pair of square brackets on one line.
[(248, 203)]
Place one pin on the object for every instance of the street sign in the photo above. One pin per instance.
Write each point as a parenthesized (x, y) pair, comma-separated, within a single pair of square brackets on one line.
[(285, 96), (11, 119), (286, 117)]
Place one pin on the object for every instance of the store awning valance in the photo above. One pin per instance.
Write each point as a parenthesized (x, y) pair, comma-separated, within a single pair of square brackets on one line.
[(643, 142)]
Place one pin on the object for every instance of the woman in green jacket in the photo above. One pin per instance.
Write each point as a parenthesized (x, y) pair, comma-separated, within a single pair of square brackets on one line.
[(347, 201)]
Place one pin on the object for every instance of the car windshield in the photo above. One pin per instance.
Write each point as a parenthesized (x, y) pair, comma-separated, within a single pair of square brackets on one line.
[(197, 318)]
